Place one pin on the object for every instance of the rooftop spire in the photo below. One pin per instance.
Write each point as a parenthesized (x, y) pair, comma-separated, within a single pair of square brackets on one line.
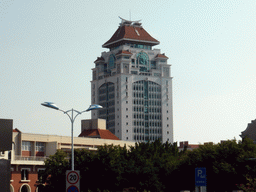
[(127, 22)]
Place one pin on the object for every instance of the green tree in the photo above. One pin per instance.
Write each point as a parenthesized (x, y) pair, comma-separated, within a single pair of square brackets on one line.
[(55, 170), (226, 165), (151, 164)]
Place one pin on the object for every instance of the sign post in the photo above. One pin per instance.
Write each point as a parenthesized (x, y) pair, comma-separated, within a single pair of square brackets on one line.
[(200, 179), (72, 181)]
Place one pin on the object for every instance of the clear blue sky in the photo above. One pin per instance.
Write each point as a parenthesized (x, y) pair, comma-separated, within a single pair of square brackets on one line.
[(47, 50)]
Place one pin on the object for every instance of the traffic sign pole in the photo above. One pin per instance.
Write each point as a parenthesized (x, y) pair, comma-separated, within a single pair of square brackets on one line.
[(72, 181)]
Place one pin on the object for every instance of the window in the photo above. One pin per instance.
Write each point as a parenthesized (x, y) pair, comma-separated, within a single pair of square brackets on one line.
[(9, 155), (40, 146), (126, 109), (24, 174), (111, 61), (26, 146), (126, 116), (126, 130), (126, 123), (41, 177), (143, 61), (25, 188)]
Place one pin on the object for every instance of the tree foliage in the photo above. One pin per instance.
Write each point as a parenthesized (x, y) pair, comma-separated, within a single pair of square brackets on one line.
[(156, 167)]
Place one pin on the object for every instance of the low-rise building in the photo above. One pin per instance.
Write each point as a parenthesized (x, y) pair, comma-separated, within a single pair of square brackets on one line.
[(30, 150)]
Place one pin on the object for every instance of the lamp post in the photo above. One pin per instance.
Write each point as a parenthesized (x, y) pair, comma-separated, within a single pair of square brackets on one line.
[(72, 119)]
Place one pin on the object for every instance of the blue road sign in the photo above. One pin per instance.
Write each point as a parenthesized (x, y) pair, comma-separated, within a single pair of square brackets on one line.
[(200, 176), (73, 188)]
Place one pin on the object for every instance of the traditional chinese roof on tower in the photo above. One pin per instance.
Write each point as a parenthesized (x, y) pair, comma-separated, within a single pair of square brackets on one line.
[(250, 131), (130, 31)]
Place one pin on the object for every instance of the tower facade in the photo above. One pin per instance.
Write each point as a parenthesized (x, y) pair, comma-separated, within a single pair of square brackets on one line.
[(133, 84)]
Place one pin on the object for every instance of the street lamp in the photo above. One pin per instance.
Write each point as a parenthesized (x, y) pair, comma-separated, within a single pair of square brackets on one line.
[(72, 119)]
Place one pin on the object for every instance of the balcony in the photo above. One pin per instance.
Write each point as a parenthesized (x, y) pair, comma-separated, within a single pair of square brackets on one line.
[(29, 158)]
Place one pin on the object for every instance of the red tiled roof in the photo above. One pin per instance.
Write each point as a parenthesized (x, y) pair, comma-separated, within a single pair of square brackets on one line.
[(193, 146), (130, 33), (124, 52), (16, 130), (162, 56), (103, 134), (99, 59)]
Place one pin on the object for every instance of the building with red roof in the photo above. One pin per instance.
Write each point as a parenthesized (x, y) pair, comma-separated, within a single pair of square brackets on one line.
[(29, 151), (132, 82)]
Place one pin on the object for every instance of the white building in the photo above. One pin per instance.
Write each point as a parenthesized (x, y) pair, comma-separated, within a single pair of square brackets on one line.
[(132, 82)]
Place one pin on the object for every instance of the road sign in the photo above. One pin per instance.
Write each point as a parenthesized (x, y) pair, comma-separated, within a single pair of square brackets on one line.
[(200, 176), (73, 177), (72, 188), (72, 181)]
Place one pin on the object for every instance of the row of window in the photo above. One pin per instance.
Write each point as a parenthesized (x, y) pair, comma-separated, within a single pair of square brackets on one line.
[(149, 82), (107, 97), (151, 131), (106, 111), (150, 102), (26, 146), (148, 124), (25, 173), (147, 110), (150, 95), (104, 90), (150, 88), (123, 57), (140, 46), (146, 116), (147, 138)]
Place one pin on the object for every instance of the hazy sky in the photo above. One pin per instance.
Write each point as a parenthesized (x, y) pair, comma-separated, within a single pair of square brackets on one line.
[(48, 48)]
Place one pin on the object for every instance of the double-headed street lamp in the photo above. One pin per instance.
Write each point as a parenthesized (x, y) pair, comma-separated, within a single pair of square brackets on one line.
[(72, 119)]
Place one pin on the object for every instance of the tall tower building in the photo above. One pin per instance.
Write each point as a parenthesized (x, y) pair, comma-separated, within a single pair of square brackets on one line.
[(132, 82)]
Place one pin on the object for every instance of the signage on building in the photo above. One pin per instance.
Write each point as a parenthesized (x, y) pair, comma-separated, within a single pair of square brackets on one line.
[(72, 181)]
